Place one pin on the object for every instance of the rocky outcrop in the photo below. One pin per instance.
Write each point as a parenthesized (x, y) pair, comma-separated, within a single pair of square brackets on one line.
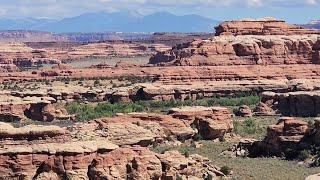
[(10, 135), (50, 152), (301, 103), (98, 160), (261, 26), (145, 129), (263, 109), (242, 50), (212, 122), (14, 108), (285, 139), (124, 64)]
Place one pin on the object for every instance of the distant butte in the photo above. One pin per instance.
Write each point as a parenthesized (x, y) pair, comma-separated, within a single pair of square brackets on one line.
[(261, 26)]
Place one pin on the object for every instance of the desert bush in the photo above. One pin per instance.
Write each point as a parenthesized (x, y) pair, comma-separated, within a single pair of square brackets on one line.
[(225, 170), (186, 154), (97, 83), (209, 177), (303, 155), (179, 177), (197, 137)]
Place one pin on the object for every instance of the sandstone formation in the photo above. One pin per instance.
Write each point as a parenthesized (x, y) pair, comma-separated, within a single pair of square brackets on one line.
[(211, 123), (286, 134), (98, 160), (36, 152), (300, 103), (263, 109), (261, 26), (286, 138), (15, 108), (10, 135), (145, 129), (243, 50)]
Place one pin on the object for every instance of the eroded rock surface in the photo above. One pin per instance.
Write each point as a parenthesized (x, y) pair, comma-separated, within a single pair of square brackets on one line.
[(261, 26), (243, 50), (145, 129), (50, 152), (301, 103)]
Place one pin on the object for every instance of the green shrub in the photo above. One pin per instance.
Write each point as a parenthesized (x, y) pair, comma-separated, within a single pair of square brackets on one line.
[(179, 177), (197, 137), (186, 154), (181, 138), (209, 177), (226, 170), (303, 155), (97, 82)]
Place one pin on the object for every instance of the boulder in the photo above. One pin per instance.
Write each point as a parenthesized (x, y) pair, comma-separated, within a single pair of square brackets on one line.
[(286, 134), (263, 109), (244, 111)]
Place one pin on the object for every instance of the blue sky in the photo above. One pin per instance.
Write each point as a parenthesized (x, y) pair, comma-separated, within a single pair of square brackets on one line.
[(294, 11)]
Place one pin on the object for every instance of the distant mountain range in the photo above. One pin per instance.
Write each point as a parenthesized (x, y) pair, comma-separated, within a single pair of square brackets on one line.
[(315, 24), (115, 22)]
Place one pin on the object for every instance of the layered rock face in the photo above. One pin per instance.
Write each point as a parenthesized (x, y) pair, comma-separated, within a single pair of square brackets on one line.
[(261, 26), (286, 134), (14, 108), (19, 54), (301, 103), (90, 150), (98, 160), (264, 41), (243, 50)]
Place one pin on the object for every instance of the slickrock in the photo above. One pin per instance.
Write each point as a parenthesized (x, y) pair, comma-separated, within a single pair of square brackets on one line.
[(242, 50), (261, 26), (25, 135), (144, 129), (134, 129), (301, 103)]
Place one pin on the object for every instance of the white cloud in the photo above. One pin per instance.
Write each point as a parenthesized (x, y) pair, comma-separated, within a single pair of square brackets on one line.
[(63, 8)]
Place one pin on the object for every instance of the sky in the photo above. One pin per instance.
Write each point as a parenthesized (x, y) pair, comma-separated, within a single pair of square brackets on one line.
[(293, 11)]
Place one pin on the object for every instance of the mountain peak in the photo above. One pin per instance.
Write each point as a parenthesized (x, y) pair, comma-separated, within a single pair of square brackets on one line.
[(122, 21)]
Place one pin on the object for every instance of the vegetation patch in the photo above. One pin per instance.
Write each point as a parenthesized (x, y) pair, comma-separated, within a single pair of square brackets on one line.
[(86, 112)]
